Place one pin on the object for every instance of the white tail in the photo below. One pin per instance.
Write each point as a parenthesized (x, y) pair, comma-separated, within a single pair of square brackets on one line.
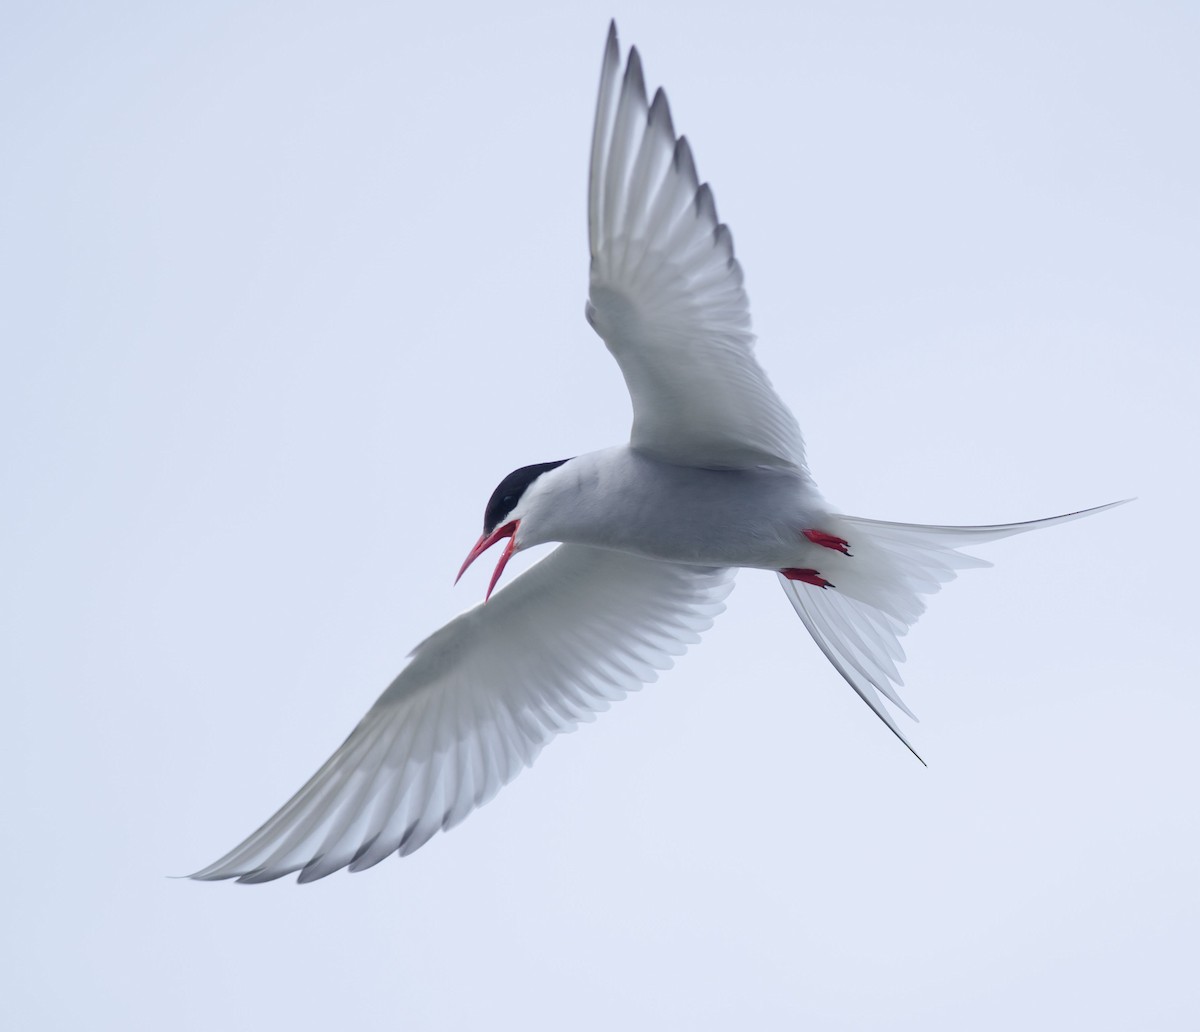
[(876, 595)]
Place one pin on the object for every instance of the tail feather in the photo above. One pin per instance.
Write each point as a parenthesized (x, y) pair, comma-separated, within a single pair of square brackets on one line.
[(877, 595)]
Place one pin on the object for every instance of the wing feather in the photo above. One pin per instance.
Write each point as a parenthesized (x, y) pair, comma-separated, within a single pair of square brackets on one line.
[(477, 702), (666, 291)]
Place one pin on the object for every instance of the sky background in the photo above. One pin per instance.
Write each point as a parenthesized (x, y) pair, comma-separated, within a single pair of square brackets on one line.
[(286, 288)]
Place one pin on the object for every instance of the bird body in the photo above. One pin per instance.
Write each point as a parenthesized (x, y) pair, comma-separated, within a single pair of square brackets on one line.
[(620, 498), (713, 479)]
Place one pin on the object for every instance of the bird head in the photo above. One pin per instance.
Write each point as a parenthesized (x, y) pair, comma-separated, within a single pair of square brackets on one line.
[(509, 504)]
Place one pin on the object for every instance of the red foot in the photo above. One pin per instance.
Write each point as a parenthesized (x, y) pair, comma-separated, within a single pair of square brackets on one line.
[(807, 576), (819, 537)]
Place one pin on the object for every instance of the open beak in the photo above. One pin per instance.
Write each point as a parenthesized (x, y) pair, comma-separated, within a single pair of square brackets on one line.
[(509, 530)]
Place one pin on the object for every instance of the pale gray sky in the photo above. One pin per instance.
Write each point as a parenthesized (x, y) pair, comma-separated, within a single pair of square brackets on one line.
[(285, 289)]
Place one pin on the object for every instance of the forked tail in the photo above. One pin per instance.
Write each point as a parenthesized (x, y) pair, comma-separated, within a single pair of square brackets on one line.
[(873, 594)]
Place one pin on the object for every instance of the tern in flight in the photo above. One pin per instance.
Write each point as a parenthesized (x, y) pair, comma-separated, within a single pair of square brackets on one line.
[(650, 534)]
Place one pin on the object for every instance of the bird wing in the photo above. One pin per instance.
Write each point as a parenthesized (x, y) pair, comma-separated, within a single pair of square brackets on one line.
[(875, 595), (666, 291), (476, 703)]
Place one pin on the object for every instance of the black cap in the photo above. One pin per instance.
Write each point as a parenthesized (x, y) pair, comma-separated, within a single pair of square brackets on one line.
[(504, 499)]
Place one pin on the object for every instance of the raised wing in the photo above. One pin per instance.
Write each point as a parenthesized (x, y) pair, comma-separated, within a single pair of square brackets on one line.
[(877, 593), (666, 291), (477, 702)]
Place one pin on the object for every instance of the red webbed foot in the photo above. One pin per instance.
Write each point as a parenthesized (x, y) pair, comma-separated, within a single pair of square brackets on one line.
[(819, 537), (807, 576)]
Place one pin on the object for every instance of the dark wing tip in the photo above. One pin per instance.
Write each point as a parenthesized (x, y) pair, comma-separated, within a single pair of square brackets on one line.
[(706, 205), (659, 117), (685, 164), (612, 46), (723, 241), (635, 80)]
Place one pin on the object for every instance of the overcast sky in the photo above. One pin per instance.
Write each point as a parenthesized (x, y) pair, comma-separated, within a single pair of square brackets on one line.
[(286, 288)]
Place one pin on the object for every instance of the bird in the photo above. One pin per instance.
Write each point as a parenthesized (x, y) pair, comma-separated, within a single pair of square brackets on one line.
[(649, 534)]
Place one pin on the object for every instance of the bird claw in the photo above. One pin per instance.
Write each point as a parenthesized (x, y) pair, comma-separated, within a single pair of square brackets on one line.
[(806, 577), (819, 537)]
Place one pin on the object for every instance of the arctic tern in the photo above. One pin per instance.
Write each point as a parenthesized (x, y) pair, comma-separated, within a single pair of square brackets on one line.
[(650, 534)]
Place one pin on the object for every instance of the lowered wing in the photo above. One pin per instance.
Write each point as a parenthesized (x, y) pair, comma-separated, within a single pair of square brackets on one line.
[(476, 704)]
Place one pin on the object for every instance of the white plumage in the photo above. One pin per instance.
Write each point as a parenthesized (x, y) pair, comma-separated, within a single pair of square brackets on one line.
[(476, 703), (666, 291)]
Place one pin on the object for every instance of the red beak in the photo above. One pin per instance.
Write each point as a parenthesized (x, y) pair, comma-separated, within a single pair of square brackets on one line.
[(509, 530)]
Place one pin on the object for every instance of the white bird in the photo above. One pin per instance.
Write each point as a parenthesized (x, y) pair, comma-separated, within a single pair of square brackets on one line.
[(651, 534)]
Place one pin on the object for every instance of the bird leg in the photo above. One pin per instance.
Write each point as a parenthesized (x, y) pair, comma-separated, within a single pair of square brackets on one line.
[(807, 576), (819, 537)]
